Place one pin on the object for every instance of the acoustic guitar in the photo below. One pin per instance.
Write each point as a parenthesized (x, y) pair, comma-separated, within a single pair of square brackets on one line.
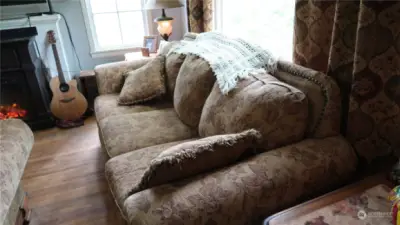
[(67, 102)]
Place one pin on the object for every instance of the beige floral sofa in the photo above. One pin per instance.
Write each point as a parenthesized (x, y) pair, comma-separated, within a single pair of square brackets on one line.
[(16, 141), (241, 193)]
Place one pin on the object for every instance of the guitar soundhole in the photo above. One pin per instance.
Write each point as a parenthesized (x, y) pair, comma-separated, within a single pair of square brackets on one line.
[(64, 87)]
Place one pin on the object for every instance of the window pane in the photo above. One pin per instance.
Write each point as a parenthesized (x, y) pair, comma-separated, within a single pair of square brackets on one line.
[(101, 6), (129, 5), (132, 28), (267, 23), (107, 30)]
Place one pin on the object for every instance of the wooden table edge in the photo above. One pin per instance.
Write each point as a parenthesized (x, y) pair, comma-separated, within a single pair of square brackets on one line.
[(327, 199)]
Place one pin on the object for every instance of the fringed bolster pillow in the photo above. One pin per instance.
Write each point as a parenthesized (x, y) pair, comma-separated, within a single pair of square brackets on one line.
[(195, 157)]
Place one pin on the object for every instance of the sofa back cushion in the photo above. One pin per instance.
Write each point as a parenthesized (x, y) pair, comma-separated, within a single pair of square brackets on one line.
[(323, 97), (278, 110), (193, 85), (173, 63)]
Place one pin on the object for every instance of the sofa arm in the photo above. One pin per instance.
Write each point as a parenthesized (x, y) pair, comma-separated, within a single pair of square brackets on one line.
[(16, 141), (251, 189), (110, 76)]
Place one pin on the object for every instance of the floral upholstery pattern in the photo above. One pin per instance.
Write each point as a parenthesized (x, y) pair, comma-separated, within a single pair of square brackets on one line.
[(253, 188), (110, 77), (16, 141), (107, 105), (13, 210), (123, 172), (145, 83), (193, 85), (351, 211), (323, 97), (276, 109), (124, 133)]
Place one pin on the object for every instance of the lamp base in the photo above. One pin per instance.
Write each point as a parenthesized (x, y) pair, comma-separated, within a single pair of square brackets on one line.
[(165, 36)]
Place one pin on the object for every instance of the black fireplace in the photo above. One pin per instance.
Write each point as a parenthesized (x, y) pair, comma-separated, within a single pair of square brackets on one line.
[(24, 91)]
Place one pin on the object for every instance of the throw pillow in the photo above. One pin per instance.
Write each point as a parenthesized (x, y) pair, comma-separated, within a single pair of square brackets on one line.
[(276, 109), (193, 85), (144, 84), (195, 157)]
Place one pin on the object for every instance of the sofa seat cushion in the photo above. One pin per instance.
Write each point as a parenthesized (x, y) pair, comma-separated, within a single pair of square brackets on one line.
[(254, 188), (107, 105), (129, 132), (16, 141), (124, 171)]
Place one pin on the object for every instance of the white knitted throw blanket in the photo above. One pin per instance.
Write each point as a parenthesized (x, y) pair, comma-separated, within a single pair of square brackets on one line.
[(230, 59)]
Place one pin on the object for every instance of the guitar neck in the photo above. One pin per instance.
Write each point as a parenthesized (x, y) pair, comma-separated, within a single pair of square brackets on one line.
[(58, 64)]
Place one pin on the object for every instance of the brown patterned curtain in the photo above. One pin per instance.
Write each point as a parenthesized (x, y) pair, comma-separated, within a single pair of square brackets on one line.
[(199, 15), (357, 43)]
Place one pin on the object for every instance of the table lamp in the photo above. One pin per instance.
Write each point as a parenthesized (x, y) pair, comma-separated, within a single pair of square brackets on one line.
[(164, 22)]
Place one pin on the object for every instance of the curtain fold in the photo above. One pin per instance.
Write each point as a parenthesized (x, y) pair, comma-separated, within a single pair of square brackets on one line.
[(358, 44), (200, 13)]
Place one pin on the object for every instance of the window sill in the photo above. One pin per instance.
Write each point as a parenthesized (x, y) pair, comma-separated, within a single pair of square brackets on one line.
[(113, 53)]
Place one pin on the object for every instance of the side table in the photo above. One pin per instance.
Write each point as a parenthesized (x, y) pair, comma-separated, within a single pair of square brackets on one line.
[(137, 55), (88, 82)]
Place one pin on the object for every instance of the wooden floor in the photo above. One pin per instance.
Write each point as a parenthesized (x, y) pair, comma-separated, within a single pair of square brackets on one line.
[(65, 179)]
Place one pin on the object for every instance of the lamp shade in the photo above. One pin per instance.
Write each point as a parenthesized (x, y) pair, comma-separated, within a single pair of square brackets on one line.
[(165, 28), (163, 4)]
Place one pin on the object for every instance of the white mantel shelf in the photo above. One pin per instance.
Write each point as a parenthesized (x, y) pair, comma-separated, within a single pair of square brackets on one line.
[(24, 22), (44, 23)]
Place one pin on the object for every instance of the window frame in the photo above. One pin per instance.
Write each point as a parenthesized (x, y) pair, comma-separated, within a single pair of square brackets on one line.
[(217, 14), (95, 50)]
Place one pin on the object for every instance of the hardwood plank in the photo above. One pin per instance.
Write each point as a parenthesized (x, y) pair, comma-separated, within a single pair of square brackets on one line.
[(51, 164), (64, 178)]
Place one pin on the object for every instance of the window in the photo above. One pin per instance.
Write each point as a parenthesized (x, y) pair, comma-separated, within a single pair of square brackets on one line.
[(115, 25), (268, 23)]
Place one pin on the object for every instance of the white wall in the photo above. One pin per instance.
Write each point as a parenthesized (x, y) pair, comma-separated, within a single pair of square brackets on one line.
[(72, 10)]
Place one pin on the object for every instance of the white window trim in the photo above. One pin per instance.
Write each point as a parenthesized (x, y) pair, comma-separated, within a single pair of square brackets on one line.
[(91, 33), (217, 14)]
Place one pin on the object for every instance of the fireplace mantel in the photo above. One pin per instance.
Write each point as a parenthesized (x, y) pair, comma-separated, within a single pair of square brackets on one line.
[(44, 23), (24, 90)]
